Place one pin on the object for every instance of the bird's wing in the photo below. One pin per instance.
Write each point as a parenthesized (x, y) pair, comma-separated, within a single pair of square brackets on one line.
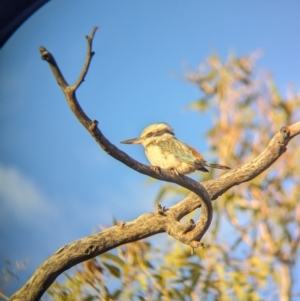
[(200, 162), (192, 156), (183, 153), (180, 151)]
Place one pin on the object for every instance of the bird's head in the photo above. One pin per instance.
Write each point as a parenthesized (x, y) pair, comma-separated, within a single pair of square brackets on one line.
[(152, 133)]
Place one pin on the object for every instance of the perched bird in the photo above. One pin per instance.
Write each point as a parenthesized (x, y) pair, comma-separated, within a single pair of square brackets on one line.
[(165, 151)]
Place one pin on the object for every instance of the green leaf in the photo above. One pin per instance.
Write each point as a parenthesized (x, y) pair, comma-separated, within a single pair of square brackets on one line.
[(112, 269), (112, 257), (201, 104)]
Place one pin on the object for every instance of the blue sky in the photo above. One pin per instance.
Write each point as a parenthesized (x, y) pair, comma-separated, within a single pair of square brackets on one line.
[(56, 184)]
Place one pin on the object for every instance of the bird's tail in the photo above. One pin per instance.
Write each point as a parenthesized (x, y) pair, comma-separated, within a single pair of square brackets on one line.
[(213, 165)]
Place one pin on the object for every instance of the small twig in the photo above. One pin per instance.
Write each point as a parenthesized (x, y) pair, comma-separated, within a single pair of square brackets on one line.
[(47, 56), (88, 59)]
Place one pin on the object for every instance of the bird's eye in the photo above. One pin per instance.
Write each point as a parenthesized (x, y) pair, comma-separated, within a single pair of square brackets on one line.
[(150, 134)]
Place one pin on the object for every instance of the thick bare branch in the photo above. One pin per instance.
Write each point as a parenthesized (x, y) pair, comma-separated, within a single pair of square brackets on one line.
[(245, 172), (83, 249)]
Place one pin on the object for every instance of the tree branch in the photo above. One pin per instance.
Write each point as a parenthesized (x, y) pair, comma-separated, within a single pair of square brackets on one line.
[(189, 234), (164, 220), (89, 56), (245, 172)]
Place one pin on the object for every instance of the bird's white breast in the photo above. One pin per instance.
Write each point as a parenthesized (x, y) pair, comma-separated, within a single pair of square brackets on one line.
[(166, 160)]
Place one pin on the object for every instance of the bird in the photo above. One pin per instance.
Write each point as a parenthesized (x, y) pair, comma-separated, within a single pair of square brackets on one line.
[(165, 151)]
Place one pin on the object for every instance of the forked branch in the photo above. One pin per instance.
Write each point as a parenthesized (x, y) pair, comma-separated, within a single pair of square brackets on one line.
[(195, 233)]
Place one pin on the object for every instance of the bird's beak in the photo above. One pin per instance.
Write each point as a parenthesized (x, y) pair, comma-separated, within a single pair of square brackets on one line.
[(133, 141)]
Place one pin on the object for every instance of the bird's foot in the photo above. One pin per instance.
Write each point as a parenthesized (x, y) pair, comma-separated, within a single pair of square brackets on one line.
[(176, 172), (156, 169)]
